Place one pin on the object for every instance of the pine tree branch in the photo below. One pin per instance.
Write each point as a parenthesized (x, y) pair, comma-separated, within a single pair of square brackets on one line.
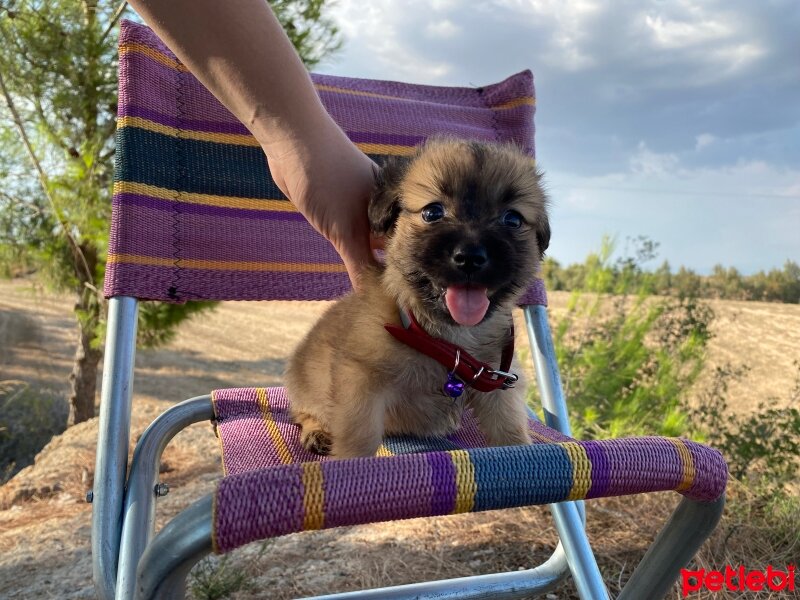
[(76, 250), (117, 14), (51, 132)]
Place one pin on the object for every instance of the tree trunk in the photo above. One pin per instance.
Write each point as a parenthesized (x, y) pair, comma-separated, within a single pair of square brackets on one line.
[(88, 309), (83, 378)]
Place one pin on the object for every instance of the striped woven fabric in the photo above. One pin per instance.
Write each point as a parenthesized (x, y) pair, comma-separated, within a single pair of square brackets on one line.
[(275, 487), (196, 214)]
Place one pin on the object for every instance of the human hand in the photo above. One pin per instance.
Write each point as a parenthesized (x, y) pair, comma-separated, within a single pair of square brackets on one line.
[(329, 180)]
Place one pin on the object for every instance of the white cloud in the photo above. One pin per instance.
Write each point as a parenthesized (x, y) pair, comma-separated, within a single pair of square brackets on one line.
[(671, 34), (649, 163), (703, 140), (378, 39), (442, 29)]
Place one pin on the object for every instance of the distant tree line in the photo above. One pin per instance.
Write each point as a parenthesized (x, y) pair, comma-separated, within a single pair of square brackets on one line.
[(727, 283)]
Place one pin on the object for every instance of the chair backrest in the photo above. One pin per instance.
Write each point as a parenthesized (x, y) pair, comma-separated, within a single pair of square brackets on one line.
[(196, 215)]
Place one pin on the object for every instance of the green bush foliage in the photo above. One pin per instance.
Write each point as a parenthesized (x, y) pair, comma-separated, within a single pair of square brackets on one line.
[(628, 360)]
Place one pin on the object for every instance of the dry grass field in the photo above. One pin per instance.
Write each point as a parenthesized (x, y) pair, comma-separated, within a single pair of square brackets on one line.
[(45, 524)]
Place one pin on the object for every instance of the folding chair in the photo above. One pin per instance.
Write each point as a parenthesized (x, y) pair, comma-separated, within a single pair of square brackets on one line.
[(196, 217)]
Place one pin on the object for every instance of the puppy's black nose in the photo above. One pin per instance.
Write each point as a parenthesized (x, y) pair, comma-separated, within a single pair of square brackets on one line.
[(469, 258)]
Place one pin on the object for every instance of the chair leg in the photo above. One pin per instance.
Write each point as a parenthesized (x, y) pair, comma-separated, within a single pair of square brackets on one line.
[(581, 560), (676, 544), (139, 512), (567, 515), (173, 552), (548, 378), (112, 443)]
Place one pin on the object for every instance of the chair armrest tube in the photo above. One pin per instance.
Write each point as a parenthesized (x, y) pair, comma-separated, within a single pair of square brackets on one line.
[(138, 516), (187, 539), (676, 544), (502, 586), (174, 551)]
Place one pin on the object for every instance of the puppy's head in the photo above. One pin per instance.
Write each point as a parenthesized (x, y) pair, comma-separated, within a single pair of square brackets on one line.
[(465, 226)]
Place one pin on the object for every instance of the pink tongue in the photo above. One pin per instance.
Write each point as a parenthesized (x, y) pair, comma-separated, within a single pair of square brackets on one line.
[(467, 304)]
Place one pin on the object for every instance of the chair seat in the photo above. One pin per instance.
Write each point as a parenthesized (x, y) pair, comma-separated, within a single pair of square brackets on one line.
[(273, 486)]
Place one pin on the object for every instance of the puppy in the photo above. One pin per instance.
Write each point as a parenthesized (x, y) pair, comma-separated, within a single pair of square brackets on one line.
[(465, 225)]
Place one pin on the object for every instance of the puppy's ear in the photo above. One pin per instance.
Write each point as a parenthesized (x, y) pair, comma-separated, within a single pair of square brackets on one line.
[(384, 205), (543, 234)]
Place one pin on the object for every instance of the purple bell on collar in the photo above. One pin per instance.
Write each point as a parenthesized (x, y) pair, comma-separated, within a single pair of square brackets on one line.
[(453, 387)]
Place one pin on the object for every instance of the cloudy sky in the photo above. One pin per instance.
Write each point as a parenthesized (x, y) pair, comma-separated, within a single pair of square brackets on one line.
[(674, 119)]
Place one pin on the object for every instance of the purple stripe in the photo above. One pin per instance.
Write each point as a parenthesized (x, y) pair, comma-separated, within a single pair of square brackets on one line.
[(536, 295), (258, 505), (601, 471), (642, 465), (443, 483), (391, 488), (204, 209), (214, 237), (153, 283), (131, 110)]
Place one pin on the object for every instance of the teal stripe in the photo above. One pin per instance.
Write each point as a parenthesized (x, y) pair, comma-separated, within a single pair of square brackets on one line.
[(195, 166), (503, 475), (409, 444)]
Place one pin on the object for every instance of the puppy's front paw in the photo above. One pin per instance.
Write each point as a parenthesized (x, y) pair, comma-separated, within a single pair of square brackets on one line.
[(317, 441)]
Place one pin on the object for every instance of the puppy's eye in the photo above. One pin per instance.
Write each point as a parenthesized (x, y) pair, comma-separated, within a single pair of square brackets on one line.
[(433, 212), (511, 218)]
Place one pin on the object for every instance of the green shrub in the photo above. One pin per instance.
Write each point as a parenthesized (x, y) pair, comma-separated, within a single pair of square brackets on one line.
[(628, 361), (29, 419)]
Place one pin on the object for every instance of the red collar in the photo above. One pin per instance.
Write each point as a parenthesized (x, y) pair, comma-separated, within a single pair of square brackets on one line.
[(467, 368)]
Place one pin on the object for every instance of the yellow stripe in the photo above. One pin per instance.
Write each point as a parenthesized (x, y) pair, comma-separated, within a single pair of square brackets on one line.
[(130, 187), (465, 481), (272, 427), (393, 149), (383, 451), (174, 64), (238, 139), (524, 101), (154, 54), (225, 265), (331, 88), (687, 462), (313, 496), (581, 470)]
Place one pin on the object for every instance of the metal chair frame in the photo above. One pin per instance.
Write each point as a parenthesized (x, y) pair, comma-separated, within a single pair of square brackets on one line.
[(129, 562)]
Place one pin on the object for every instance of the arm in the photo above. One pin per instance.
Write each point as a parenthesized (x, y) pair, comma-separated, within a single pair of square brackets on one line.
[(239, 51)]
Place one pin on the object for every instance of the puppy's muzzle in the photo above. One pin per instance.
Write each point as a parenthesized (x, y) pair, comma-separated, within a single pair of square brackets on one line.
[(470, 258)]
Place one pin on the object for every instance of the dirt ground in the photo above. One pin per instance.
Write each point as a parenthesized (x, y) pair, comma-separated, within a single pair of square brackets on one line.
[(45, 523)]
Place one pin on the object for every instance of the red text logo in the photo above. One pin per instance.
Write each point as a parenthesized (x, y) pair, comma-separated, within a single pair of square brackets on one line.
[(738, 580)]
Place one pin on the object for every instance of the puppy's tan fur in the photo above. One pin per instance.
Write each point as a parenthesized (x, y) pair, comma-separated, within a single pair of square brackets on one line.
[(349, 381)]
